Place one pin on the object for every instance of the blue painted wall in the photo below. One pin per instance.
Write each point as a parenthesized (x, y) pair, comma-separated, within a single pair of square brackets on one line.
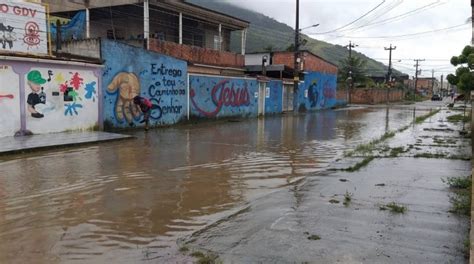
[(216, 97), (317, 92), (273, 103), (131, 71)]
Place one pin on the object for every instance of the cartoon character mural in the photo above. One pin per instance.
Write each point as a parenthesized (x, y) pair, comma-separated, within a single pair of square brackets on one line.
[(127, 86), (321, 91), (57, 98), (37, 104)]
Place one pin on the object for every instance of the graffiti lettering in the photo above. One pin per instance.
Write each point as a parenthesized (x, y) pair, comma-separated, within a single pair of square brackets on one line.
[(165, 71), (158, 111), (4, 8), (223, 95), (22, 11), (154, 91)]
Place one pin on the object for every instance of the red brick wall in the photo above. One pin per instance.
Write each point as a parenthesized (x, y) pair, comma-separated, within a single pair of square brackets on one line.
[(370, 96), (198, 55), (311, 62)]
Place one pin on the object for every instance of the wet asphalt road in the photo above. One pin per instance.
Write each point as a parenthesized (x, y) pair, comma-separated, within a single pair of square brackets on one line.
[(131, 201)]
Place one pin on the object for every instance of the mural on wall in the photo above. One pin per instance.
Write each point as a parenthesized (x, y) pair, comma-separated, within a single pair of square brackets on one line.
[(60, 99), (23, 27), (319, 91), (219, 97), (126, 86), (9, 101), (159, 78)]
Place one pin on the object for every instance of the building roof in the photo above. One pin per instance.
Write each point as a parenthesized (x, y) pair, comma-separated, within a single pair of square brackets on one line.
[(284, 51), (59, 6)]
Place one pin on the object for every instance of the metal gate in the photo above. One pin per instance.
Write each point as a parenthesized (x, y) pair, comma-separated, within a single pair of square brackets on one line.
[(288, 97)]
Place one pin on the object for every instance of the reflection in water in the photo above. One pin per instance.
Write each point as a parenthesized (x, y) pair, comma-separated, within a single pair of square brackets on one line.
[(130, 201)]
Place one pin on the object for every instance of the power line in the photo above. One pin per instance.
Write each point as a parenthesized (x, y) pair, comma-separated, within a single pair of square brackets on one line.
[(354, 21), (401, 16)]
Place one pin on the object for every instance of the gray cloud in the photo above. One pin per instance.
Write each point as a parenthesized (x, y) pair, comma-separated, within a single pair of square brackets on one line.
[(331, 14)]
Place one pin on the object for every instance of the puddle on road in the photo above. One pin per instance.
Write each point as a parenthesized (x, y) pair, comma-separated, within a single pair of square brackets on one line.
[(130, 201)]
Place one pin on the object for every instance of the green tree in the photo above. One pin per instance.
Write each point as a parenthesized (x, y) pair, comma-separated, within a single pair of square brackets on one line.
[(358, 67), (463, 78)]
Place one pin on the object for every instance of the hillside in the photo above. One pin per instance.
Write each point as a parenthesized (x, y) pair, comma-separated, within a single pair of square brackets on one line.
[(266, 32)]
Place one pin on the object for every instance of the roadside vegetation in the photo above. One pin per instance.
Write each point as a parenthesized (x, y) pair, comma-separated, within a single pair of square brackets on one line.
[(461, 198), (461, 202), (458, 118), (205, 258), (367, 150), (394, 208)]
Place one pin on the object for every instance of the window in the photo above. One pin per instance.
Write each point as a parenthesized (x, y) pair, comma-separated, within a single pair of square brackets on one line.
[(217, 42)]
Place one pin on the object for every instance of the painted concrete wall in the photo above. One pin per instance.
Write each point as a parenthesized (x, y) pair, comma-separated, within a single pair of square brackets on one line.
[(9, 101), (131, 71), (47, 96), (274, 97), (71, 99), (318, 91), (217, 97)]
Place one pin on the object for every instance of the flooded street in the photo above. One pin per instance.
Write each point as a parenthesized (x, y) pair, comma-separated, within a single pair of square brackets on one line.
[(131, 201)]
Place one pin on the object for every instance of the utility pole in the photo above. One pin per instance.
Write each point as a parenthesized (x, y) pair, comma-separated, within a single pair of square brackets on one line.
[(296, 74), (472, 19), (389, 73), (441, 89), (416, 77), (432, 81), (351, 85)]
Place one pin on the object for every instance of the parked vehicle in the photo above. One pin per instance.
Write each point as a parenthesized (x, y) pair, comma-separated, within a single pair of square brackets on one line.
[(436, 97)]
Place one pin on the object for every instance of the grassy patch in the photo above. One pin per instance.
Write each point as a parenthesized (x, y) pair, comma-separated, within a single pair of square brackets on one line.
[(461, 202), (403, 128), (347, 198), (431, 155), (359, 165), (394, 208), (461, 199), (386, 136), (314, 237), (422, 118), (441, 156), (458, 182), (397, 151), (467, 247), (458, 118), (205, 258), (183, 249)]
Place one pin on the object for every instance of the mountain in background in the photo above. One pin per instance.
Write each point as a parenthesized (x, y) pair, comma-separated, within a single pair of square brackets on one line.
[(266, 33)]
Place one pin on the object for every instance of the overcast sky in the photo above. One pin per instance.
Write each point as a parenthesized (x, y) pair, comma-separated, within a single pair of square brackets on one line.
[(376, 30)]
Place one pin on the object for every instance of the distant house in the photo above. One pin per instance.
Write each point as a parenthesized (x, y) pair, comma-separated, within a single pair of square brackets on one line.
[(173, 27), (280, 64), (318, 78), (382, 78)]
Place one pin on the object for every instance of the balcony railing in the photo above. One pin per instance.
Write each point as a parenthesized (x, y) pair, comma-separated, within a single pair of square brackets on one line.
[(198, 55)]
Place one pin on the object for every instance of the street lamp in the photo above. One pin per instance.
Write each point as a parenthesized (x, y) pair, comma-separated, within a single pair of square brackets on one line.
[(312, 26)]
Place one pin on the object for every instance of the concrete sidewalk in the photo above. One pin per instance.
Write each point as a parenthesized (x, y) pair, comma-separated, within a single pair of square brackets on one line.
[(344, 216), (12, 145)]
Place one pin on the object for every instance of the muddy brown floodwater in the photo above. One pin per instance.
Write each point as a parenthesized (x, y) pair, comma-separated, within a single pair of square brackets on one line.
[(130, 201)]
